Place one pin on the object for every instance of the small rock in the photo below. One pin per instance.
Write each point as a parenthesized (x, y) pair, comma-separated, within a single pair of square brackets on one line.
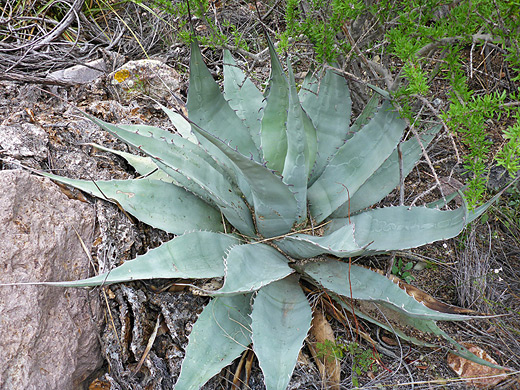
[(80, 74), (146, 77), (476, 373), (450, 185), (498, 178), (23, 140), (48, 335)]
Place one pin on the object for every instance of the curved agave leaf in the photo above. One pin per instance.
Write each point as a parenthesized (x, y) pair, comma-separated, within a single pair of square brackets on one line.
[(162, 135), (195, 255), (129, 137), (383, 325), (182, 125), (194, 169), (460, 350), (355, 162), (301, 149), (274, 204), (371, 286), (368, 111), (281, 319), (222, 162), (339, 243), (142, 165), (243, 97), (386, 178), (474, 214), (421, 324), (429, 326), (219, 336), (400, 227), (252, 266), (440, 203), (151, 201), (143, 130), (273, 135), (328, 104), (208, 109)]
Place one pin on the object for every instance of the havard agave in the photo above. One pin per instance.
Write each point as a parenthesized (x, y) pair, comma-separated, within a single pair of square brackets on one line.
[(252, 185)]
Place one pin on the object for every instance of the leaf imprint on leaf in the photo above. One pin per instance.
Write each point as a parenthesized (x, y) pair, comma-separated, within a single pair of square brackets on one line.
[(129, 194)]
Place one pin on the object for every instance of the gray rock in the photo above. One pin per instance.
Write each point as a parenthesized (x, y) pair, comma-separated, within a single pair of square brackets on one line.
[(80, 74), (146, 78), (23, 140), (48, 335)]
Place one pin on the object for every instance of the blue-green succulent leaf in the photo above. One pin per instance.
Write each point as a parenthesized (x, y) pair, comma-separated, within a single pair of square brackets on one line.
[(383, 325), (208, 109), (301, 149), (142, 165), (429, 326), (252, 266), (368, 111), (157, 203), (474, 214), (281, 319), (382, 92), (339, 243), (355, 162), (402, 227), (386, 178), (273, 135), (440, 203), (194, 255), (426, 325), (369, 285), (329, 108), (274, 204), (460, 350), (194, 169), (220, 335), (144, 130), (182, 126), (243, 97)]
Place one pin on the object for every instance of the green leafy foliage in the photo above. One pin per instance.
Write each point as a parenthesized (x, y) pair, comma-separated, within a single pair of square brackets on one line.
[(363, 360), (402, 270), (320, 23), (417, 44), (271, 203)]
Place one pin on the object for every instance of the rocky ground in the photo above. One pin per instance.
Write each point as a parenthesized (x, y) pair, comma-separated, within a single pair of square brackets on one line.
[(110, 327)]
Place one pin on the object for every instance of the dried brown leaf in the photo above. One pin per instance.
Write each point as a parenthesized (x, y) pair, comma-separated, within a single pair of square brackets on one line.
[(476, 375), (329, 367)]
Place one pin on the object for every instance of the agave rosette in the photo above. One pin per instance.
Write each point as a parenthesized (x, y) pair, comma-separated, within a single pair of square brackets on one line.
[(251, 185)]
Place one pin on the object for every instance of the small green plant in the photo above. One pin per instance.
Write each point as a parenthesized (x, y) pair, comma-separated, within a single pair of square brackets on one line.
[(330, 350), (363, 360), (266, 189), (402, 270)]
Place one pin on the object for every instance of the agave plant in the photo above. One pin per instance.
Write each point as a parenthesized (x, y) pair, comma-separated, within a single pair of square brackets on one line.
[(267, 190)]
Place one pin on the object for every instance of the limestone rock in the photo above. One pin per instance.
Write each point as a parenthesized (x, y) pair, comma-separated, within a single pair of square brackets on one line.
[(146, 78), (80, 74), (48, 335), (23, 140)]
